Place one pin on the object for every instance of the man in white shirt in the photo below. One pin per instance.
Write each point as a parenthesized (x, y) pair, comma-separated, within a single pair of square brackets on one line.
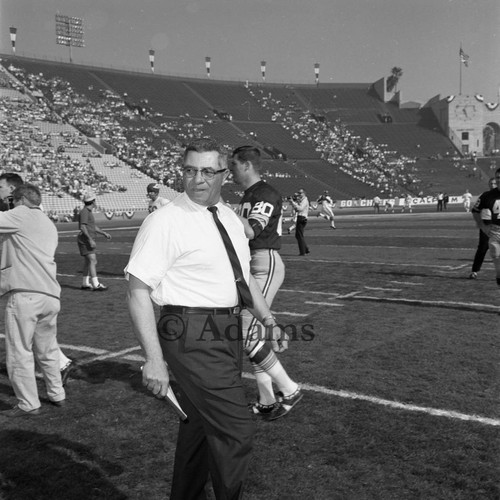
[(467, 197), (180, 262), (302, 208)]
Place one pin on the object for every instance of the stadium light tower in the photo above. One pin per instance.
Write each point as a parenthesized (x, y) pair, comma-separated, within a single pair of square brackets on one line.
[(208, 62), (316, 73), (69, 32), (152, 60), (13, 34)]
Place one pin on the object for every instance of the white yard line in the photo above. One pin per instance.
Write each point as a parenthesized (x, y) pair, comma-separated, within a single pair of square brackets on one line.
[(469, 305), (331, 304), (109, 355), (406, 283), (404, 406), (383, 289), (436, 412), (372, 263)]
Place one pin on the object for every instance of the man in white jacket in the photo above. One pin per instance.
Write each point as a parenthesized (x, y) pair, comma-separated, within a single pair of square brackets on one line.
[(28, 278)]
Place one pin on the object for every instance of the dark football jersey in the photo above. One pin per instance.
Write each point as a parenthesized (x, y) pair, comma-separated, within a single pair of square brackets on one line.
[(488, 204), (261, 205)]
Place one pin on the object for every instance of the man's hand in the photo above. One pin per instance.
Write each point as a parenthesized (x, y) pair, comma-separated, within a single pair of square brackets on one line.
[(155, 378)]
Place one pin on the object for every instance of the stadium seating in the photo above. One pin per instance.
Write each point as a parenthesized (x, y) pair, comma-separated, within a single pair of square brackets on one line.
[(330, 136)]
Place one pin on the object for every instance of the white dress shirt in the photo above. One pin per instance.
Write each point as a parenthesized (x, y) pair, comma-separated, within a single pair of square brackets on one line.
[(180, 255)]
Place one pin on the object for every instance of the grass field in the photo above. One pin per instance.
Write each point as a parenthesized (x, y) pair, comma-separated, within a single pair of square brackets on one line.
[(402, 379)]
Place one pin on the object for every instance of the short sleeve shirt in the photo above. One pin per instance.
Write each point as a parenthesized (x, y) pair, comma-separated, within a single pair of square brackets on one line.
[(180, 255), (86, 218), (488, 205)]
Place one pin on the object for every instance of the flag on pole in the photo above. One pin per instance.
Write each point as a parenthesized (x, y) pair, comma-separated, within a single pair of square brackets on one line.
[(464, 58), (263, 69), (207, 65), (152, 60), (13, 33)]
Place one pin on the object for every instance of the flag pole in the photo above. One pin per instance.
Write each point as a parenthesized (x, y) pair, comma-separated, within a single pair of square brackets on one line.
[(460, 63)]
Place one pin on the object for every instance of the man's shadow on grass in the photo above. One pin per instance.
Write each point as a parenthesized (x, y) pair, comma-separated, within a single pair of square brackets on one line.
[(49, 467), (98, 372)]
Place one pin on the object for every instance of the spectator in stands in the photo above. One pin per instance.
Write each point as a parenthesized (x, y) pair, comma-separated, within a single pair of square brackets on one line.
[(87, 245), (155, 200), (302, 208)]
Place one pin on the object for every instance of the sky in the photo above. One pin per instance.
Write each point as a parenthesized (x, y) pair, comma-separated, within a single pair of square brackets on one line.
[(354, 41)]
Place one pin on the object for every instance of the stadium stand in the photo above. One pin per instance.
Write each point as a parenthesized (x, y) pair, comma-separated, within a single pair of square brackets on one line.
[(339, 137)]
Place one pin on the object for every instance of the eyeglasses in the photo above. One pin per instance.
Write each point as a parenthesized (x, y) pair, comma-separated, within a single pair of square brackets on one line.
[(206, 173)]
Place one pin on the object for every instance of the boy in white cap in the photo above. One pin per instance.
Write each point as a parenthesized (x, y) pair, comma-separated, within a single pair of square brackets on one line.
[(155, 200), (87, 245)]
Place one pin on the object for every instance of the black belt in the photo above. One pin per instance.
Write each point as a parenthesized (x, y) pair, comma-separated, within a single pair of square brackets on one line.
[(213, 311)]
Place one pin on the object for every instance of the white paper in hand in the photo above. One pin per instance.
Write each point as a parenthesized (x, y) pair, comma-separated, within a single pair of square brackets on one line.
[(170, 397), (175, 404)]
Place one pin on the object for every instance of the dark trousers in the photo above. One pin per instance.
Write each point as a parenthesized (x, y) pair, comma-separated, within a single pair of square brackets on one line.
[(481, 250), (204, 353), (299, 234)]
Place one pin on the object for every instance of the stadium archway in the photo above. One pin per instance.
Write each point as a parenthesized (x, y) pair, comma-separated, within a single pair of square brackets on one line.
[(491, 139)]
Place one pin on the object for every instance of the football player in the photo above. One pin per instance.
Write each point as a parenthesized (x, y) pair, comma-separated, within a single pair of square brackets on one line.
[(261, 211), (327, 206), (486, 213)]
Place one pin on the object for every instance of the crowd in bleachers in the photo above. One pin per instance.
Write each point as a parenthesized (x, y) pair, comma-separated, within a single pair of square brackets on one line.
[(104, 119), (363, 160), (152, 143), (143, 140), (30, 146)]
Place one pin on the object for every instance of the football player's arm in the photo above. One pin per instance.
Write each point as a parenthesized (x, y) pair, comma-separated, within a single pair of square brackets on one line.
[(154, 374), (480, 223)]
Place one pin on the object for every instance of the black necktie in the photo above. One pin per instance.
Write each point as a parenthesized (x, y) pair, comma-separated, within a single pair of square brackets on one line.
[(243, 291)]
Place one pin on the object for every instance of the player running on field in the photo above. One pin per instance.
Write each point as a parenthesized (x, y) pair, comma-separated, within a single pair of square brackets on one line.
[(326, 209)]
